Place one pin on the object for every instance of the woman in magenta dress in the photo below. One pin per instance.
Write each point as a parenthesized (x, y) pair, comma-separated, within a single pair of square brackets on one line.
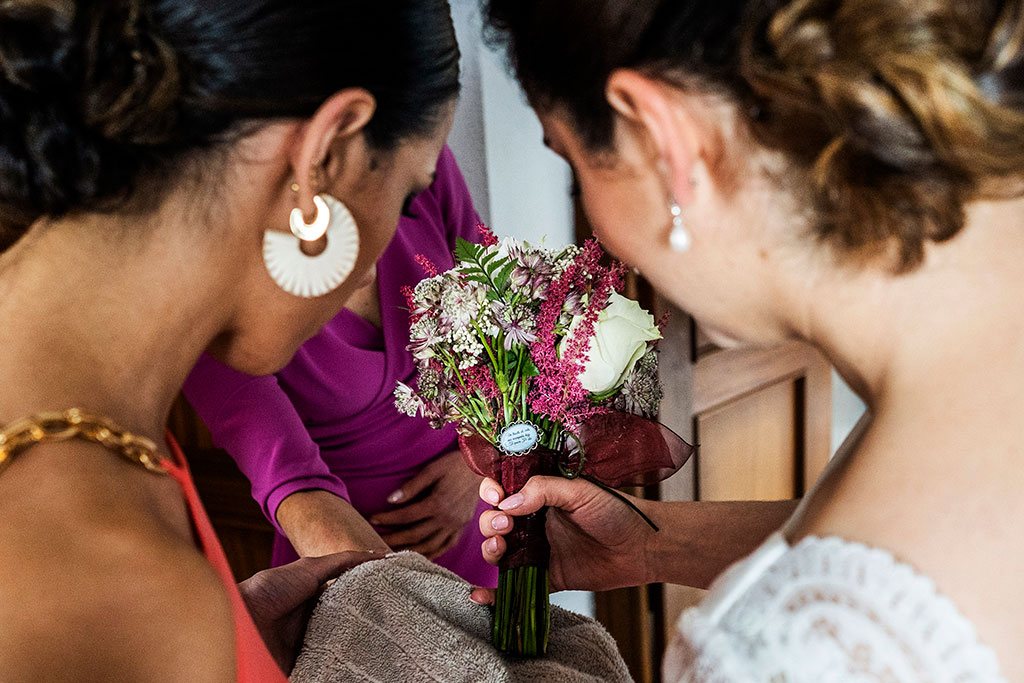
[(321, 441)]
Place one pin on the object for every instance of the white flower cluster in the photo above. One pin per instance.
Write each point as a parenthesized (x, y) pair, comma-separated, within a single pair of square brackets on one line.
[(565, 259), (467, 348), (449, 311)]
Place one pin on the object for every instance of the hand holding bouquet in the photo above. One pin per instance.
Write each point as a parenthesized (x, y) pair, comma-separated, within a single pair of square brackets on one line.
[(545, 369)]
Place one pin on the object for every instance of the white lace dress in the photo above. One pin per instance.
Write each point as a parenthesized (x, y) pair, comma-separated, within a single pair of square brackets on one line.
[(826, 610)]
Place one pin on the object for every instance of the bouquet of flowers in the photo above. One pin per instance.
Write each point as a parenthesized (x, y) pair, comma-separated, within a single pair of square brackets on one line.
[(546, 369)]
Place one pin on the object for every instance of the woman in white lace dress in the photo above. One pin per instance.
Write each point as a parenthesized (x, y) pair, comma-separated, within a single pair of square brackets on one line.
[(846, 172)]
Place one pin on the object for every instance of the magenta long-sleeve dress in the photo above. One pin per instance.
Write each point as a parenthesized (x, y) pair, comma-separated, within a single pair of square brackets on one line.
[(328, 420)]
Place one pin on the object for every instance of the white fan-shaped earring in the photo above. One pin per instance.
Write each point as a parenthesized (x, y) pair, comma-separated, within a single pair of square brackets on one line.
[(679, 237), (311, 276)]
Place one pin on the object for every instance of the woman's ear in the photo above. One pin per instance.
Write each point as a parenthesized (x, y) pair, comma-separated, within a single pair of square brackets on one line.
[(658, 110), (338, 122)]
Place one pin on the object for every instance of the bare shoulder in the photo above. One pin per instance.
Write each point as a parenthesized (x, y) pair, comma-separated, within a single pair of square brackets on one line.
[(96, 585)]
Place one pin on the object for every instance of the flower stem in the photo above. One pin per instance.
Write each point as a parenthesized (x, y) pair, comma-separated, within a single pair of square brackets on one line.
[(522, 617)]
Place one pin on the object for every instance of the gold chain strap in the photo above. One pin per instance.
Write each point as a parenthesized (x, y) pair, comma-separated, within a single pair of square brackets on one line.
[(76, 424)]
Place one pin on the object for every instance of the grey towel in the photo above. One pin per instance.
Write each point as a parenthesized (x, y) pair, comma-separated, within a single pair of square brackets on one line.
[(404, 619)]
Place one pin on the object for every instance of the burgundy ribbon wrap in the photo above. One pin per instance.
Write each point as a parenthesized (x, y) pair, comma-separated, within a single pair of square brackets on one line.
[(619, 449)]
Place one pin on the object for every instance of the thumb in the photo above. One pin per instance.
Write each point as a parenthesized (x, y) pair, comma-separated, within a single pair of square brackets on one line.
[(556, 492), (319, 570)]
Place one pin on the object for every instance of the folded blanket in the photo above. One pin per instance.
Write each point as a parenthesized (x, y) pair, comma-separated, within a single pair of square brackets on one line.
[(404, 619)]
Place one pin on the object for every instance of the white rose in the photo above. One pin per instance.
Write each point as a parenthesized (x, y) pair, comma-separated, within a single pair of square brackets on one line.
[(621, 334)]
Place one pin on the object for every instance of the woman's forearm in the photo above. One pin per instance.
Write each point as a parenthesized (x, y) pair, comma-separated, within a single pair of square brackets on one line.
[(699, 540), (320, 523)]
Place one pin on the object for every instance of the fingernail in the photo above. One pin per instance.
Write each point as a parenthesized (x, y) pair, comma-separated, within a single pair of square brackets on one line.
[(473, 598), (499, 523), (512, 502), (492, 496), (491, 546), (396, 496)]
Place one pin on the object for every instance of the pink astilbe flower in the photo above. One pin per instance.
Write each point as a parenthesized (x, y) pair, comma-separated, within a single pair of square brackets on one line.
[(479, 379), (589, 258), (487, 237), (410, 296), (617, 273), (557, 392), (427, 265)]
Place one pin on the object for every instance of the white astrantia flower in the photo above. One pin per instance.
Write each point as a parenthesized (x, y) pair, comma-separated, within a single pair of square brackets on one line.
[(517, 322), (427, 293), (622, 332), (424, 334), (461, 304), (406, 400), (532, 275), (429, 383)]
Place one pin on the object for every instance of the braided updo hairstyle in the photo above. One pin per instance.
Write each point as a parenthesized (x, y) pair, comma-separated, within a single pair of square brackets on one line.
[(894, 113), (99, 98)]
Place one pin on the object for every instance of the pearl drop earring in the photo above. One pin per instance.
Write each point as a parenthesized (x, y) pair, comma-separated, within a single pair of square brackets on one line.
[(679, 237)]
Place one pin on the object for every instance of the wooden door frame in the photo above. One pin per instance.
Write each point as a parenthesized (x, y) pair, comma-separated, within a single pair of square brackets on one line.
[(723, 376)]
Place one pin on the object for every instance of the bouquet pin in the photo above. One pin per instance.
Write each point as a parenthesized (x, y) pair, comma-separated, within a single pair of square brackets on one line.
[(546, 370)]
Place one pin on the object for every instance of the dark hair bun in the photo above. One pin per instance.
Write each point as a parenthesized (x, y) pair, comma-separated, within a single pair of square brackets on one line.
[(85, 89), (104, 104)]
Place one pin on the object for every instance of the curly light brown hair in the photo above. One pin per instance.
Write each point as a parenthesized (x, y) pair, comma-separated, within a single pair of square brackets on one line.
[(894, 114)]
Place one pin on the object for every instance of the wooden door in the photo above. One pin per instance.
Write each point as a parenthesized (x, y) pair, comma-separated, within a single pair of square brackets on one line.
[(762, 419)]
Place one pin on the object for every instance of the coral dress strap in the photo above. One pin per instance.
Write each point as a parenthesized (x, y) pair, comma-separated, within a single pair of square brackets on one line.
[(254, 662)]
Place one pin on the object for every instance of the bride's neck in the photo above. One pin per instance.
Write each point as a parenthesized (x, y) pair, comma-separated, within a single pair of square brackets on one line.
[(947, 333), (103, 317), (936, 478)]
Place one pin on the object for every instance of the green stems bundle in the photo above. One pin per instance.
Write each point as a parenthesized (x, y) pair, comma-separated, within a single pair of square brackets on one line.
[(522, 617), (522, 608)]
